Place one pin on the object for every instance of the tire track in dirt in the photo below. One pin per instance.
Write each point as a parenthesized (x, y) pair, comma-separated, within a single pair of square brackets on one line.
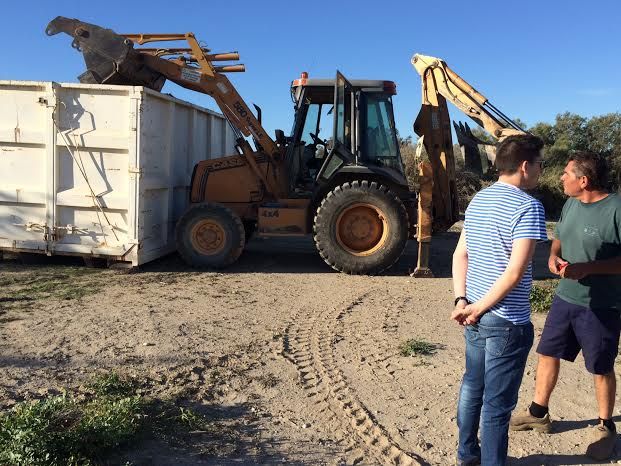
[(309, 344), (372, 334)]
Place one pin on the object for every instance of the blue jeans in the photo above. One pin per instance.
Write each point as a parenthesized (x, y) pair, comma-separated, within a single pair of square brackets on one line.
[(496, 352)]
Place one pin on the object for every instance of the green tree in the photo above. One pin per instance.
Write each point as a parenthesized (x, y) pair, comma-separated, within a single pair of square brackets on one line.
[(483, 135), (605, 137), (605, 134), (568, 133), (570, 130), (545, 131), (521, 123)]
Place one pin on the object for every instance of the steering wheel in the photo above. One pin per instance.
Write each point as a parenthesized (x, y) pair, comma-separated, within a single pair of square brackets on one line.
[(317, 139)]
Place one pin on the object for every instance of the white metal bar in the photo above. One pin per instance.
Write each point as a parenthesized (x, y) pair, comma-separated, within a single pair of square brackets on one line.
[(51, 161)]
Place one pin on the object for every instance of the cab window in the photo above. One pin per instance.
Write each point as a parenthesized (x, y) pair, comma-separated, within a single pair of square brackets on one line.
[(379, 141)]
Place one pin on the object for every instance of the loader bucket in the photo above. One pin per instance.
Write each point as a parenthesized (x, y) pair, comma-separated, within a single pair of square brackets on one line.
[(109, 57)]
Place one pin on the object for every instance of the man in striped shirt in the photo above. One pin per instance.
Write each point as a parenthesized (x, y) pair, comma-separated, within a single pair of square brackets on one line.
[(492, 277)]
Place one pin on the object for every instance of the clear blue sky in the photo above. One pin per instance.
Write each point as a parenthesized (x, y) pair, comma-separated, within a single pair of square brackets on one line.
[(532, 59)]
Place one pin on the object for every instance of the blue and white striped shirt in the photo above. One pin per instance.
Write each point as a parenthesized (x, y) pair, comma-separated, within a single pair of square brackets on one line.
[(496, 217)]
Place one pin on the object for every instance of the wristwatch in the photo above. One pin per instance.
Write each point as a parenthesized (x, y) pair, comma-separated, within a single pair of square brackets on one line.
[(459, 298)]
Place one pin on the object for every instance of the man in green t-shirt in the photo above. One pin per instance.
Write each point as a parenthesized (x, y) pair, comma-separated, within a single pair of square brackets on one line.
[(586, 254)]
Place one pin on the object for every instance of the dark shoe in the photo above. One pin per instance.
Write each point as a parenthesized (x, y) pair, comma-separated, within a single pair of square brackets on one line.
[(604, 444), (475, 462), (527, 421)]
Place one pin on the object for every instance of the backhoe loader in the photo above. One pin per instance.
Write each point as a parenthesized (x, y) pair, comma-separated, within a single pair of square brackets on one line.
[(347, 188)]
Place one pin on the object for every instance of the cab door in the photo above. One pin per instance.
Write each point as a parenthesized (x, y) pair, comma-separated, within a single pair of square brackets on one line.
[(343, 135)]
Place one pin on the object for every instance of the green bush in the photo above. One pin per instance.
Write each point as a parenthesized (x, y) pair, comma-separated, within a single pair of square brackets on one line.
[(408, 155), (112, 384), (61, 431), (541, 295), (64, 430), (468, 184), (550, 191)]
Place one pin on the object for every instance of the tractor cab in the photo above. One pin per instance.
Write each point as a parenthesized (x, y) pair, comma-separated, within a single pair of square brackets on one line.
[(342, 126)]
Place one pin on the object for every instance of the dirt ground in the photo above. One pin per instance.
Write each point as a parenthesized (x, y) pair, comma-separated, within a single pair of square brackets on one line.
[(292, 362)]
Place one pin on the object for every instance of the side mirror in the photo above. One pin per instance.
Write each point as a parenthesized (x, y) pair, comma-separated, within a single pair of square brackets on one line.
[(281, 140)]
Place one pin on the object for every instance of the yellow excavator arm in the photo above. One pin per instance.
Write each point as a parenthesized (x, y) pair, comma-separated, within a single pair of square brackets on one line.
[(438, 207), (438, 78)]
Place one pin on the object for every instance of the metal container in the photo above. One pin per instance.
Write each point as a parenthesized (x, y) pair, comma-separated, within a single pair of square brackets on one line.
[(99, 170)]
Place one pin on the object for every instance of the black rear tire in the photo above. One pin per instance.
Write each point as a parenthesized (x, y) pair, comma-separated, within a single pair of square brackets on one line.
[(361, 228), (210, 235)]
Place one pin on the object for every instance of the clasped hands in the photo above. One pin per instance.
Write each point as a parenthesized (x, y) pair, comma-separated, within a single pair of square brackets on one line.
[(467, 314)]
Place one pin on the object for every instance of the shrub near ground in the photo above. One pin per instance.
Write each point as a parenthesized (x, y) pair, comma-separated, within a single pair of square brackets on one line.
[(408, 155), (550, 191), (468, 184), (63, 430), (542, 294), (87, 430)]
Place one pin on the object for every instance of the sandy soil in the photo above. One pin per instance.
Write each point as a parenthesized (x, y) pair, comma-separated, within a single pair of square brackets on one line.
[(294, 363)]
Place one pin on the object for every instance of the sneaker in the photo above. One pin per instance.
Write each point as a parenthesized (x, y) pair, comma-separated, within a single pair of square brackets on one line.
[(527, 421), (604, 444)]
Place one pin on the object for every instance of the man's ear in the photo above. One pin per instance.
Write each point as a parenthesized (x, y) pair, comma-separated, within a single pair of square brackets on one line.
[(523, 166)]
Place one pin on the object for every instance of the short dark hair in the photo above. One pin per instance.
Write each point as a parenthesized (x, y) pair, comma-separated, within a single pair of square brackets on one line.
[(593, 166), (513, 150)]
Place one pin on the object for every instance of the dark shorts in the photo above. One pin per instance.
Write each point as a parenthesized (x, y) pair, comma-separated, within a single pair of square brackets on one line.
[(570, 328)]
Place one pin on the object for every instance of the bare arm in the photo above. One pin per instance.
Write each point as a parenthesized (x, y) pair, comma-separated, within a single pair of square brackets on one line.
[(460, 266), (521, 255)]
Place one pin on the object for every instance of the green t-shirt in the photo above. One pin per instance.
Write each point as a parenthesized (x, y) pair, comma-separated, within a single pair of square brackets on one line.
[(591, 232)]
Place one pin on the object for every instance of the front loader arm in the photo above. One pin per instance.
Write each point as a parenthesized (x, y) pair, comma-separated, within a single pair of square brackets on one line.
[(111, 58), (207, 79)]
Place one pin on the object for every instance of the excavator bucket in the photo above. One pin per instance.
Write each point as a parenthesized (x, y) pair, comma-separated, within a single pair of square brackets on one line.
[(109, 57)]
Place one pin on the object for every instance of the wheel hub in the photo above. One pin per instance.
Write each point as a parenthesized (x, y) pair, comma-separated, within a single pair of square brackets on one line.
[(362, 229), (208, 237)]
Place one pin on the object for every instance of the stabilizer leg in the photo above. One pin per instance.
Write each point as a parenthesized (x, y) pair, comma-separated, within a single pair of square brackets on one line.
[(424, 221)]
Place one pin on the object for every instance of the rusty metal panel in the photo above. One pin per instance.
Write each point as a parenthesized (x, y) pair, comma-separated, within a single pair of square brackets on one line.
[(98, 170)]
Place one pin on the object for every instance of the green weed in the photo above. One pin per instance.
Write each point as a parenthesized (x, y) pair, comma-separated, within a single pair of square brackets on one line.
[(416, 347), (113, 385), (191, 420)]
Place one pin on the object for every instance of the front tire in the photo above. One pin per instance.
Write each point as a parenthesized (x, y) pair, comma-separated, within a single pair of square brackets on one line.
[(210, 236), (361, 228)]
